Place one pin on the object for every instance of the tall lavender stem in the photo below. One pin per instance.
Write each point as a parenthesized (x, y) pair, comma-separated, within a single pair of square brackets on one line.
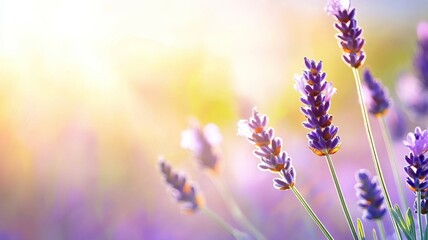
[(341, 197), (373, 147)]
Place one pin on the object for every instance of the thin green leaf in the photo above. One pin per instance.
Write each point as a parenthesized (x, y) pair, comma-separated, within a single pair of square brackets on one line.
[(361, 234), (410, 222)]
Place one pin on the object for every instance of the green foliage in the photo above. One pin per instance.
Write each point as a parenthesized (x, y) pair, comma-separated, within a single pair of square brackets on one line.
[(361, 235), (407, 226)]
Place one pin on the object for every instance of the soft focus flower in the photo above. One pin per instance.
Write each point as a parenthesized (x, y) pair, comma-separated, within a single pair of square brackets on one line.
[(202, 144), (370, 195), (185, 192), (378, 101), (420, 60), (350, 39), (412, 94), (417, 169), (397, 123), (316, 96), (268, 149)]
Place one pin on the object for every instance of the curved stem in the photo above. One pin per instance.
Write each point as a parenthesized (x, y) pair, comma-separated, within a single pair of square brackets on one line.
[(311, 212), (373, 148), (223, 224), (421, 231), (234, 208), (341, 198), (381, 229), (393, 161)]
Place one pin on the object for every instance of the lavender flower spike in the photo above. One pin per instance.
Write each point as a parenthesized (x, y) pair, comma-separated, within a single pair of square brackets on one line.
[(202, 143), (378, 101), (350, 39), (185, 192), (370, 195), (417, 170), (268, 149), (421, 58), (316, 94)]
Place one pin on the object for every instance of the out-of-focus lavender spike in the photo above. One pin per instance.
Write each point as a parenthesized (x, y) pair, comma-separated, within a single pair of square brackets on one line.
[(420, 60), (370, 196), (378, 101), (185, 192), (316, 96), (412, 94), (397, 123), (202, 144)]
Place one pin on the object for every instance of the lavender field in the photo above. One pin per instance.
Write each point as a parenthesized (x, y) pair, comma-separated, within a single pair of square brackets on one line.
[(106, 105)]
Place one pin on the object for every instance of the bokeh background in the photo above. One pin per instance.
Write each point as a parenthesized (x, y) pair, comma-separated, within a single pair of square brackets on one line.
[(92, 92)]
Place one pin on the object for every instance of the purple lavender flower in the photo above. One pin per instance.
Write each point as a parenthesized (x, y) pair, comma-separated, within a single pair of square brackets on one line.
[(370, 195), (316, 94), (424, 203), (417, 169), (421, 58), (185, 192), (350, 39), (202, 144), (378, 102), (412, 94), (268, 149)]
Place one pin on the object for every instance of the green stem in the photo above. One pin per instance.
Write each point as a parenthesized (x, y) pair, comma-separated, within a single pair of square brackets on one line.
[(311, 212), (381, 229), (223, 224), (234, 208), (421, 231), (341, 198), (393, 160), (373, 148)]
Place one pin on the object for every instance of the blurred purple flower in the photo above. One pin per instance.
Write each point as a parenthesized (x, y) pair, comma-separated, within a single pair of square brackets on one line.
[(185, 192), (378, 101), (202, 144), (420, 60), (417, 169), (316, 94), (396, 121), (350, 39), (370, 195), (412, 95), (268, 149)]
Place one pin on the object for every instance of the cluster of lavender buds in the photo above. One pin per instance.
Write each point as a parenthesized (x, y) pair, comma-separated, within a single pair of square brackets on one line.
[(350, 39), (370, 196), (417, 169), (378, 102), (202, 144), (269, 149), (185, 192), (316, 94)]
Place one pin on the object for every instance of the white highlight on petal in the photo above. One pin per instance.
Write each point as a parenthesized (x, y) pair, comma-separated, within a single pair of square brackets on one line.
[(334, 6), (329, 91), (417, 146), (300, 84), (244, 129)]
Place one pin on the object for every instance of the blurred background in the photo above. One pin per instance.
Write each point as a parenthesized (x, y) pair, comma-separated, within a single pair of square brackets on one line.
[(93, 92)]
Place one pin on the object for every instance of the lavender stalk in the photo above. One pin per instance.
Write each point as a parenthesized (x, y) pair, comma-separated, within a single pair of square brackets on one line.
[(316, 94)]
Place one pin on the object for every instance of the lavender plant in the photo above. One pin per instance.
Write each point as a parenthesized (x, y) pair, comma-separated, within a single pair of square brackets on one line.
[(316, 94), (273, 159), (370, 198)]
